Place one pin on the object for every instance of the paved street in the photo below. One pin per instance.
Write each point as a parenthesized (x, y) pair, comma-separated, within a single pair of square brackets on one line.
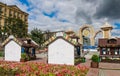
[(108, 72), (105, 69), (109, 69)]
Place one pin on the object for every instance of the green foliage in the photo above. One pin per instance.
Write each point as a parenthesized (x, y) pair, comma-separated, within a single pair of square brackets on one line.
[(82, 59), (79, 60), (95, 58), (23, 56), (48, 34), (8, 71), (15, 27), (37, 36), (1, 53), (28, 58)]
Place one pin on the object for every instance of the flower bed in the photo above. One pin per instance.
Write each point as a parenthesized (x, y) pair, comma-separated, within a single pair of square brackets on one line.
[(37, 68)]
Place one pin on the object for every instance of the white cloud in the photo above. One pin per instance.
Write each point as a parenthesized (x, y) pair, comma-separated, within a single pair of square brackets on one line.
[(76, 12)]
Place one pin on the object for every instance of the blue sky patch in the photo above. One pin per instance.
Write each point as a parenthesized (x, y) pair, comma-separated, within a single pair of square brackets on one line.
[(32, 17), (51, 14), (63, 20), (24, 2), (29, 9), (117, 25)]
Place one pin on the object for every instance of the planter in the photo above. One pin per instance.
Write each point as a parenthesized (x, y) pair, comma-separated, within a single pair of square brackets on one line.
[(94, 64), (22, 60)]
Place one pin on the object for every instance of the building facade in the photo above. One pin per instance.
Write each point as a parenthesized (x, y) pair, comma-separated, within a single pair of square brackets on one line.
[(11, 11), (109, 48), (62, 51)]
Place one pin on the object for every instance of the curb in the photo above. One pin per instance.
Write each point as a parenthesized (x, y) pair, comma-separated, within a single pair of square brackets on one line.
[(110, 68)]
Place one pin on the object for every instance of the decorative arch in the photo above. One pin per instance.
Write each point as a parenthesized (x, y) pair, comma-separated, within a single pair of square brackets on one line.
[(99, 31), (91, 33)]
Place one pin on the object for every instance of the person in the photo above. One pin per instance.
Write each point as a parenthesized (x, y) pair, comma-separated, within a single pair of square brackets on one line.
[(33, 51), (23, 50)]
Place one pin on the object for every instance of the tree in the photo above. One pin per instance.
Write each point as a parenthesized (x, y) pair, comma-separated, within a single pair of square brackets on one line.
[(37, 35), (16, 27), (47, 34)]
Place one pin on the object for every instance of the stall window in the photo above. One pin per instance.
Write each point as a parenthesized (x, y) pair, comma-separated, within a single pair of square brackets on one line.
[(116, 51), (119, 51), (78, 50), (108, 51), (104, 51)]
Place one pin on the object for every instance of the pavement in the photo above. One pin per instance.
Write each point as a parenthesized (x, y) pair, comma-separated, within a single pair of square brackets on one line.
[(105, 69), (109, 69), (92, 71)]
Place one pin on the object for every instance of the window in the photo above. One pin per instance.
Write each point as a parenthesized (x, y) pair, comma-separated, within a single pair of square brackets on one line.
[(10, 13), (116, 51), (78, 50), (108, 49), (112, 41), (1, 10), (104, 51), (0, 21), (119, 51)]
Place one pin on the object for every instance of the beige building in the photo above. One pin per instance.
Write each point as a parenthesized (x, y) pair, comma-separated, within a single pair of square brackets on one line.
[(11, 11)]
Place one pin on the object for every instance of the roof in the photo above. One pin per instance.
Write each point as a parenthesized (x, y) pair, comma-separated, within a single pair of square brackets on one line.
[(65, 36), (107, 25), (21, 42), (14, 6), (104, 42), (60, 37), (74, 37)]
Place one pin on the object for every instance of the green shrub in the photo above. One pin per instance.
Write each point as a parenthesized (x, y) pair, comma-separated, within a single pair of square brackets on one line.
[(23, 56), (28, 58), (83, 59), (95, 58), (1, 53), (79, 60)]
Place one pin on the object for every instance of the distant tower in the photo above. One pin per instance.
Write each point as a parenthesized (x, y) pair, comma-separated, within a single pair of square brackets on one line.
[(106, 28)]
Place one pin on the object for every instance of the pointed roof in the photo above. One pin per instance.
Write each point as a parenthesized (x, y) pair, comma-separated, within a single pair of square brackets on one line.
[(20, 41), (65, 37), (69, 41), (107, 25)]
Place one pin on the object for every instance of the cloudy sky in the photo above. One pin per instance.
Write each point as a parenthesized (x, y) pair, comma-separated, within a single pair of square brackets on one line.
[(56, 15)]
